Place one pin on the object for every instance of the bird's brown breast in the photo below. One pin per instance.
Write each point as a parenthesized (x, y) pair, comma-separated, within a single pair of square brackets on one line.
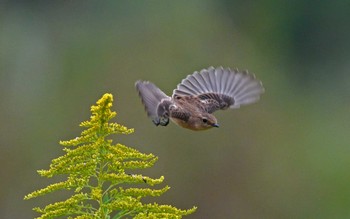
[(190, 124)]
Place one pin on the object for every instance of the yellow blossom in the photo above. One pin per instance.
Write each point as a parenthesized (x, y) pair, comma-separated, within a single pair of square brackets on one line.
[(97, 171)]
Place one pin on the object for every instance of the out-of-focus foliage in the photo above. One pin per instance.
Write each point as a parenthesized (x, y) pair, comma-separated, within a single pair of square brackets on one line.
[(284, 157)]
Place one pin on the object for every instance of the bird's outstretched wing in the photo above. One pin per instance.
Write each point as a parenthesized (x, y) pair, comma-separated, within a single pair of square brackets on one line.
[(220, 88), (156, 102)]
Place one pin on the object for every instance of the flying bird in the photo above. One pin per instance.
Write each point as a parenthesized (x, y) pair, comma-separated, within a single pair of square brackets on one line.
[(198, 96)]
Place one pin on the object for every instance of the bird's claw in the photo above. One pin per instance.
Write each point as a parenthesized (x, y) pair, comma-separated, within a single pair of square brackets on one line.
[(163, 121)]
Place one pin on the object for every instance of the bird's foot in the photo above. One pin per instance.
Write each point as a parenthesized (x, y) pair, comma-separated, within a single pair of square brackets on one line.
[(163, 121)]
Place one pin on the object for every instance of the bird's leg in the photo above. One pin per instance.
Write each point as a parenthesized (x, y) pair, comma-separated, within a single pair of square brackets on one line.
[(163, 121), (163, 113), (156, 121)]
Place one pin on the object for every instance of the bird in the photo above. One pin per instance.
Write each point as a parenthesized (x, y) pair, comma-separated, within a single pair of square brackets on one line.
[(198, 96)]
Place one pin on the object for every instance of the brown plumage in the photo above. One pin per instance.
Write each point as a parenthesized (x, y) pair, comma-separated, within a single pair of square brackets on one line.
[(198, 96)]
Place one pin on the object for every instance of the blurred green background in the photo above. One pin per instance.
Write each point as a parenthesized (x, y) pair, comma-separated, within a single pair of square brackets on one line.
[(288, 156)]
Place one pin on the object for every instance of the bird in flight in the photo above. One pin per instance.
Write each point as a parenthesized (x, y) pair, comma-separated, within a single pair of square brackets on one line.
[(198, 96)]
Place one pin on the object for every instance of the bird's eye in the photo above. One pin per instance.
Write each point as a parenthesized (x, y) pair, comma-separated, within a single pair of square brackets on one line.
[(205, 120)]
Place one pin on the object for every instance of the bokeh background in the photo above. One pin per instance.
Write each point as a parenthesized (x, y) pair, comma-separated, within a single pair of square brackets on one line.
[(288, 156)]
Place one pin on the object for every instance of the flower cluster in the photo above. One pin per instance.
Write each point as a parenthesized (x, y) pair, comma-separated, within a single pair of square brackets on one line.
[(98, 173)]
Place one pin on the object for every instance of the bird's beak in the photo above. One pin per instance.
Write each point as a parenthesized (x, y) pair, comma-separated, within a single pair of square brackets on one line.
[(216, 125)]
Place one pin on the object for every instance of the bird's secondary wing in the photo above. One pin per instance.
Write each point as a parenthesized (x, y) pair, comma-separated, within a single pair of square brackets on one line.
[(156, 102)]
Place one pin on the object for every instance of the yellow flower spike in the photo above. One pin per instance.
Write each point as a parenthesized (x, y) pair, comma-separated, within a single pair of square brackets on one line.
[(96, 193), (100, 169)]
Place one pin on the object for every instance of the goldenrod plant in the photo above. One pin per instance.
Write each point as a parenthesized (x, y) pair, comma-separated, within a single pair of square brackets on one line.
[(101, 175)]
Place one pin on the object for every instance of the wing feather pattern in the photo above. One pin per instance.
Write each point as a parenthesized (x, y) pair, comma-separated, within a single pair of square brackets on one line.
[(229, 88)]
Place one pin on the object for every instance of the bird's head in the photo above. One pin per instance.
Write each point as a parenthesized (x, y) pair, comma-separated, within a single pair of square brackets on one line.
[(203, 122)]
